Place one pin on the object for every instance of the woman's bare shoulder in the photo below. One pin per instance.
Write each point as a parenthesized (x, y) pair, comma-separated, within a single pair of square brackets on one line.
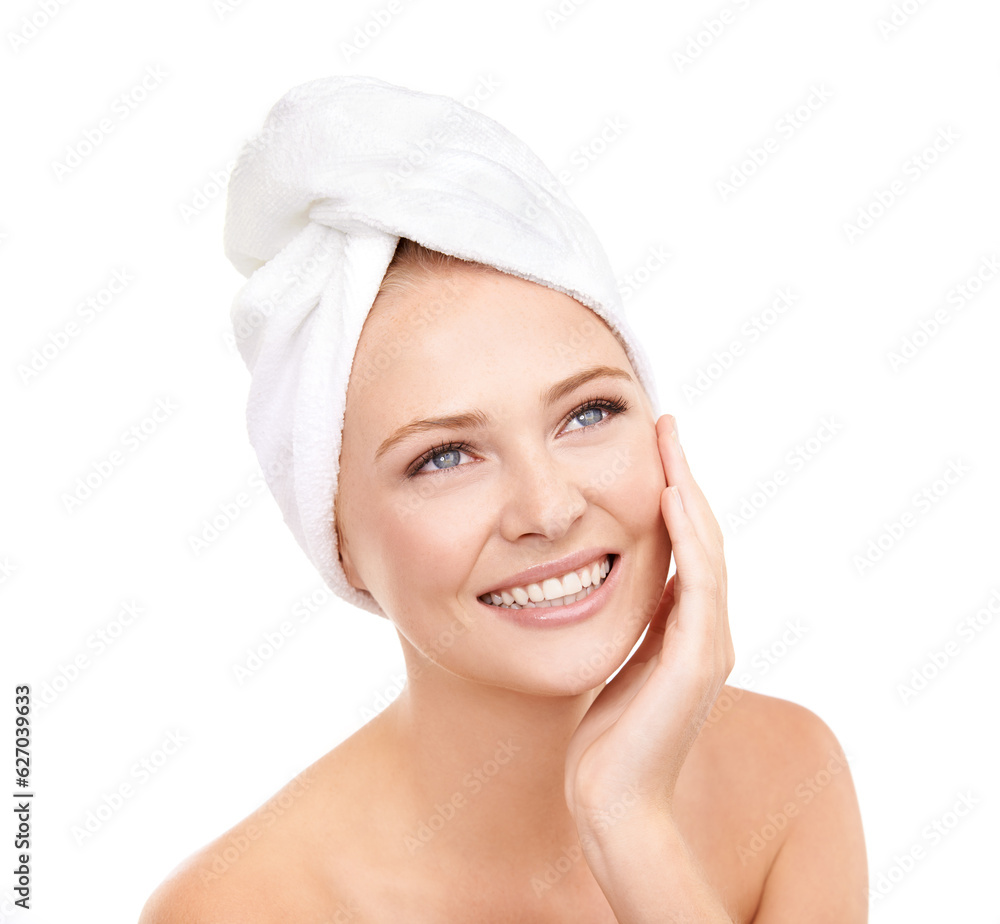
[(185, 897), (781, 778), (770, 743), (300, 856), (260, 870), (756, 717)]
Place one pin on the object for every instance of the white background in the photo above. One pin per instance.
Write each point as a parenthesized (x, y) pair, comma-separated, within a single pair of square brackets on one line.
[(147, 201)]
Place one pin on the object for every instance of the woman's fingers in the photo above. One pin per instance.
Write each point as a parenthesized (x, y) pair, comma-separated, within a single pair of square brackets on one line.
[(701, 580), (644, 722), (688, 598), (694, 598), (678, 472), (696, 581), (653, 640)]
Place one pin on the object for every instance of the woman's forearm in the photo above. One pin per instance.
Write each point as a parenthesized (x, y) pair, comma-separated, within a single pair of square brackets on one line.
[(649, 875)]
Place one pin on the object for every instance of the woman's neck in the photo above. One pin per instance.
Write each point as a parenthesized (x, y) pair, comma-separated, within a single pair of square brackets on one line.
[(481, 768)]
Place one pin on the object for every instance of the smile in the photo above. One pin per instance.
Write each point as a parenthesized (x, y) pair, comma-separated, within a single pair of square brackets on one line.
[(554, 591)]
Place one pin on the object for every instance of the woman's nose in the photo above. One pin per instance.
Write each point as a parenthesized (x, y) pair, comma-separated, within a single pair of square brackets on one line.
[(542, 498)]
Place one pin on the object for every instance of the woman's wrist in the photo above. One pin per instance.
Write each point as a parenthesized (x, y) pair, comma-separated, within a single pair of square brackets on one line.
[(646, 870), (625, 825)]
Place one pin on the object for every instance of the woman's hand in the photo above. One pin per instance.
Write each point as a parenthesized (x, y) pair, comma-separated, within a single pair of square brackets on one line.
[(624, 758)]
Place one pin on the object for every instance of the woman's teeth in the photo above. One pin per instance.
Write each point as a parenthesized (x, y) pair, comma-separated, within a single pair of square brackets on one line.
[(557, 591)]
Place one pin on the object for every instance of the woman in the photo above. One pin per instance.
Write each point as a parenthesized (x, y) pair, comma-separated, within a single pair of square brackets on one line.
[(509, 498)]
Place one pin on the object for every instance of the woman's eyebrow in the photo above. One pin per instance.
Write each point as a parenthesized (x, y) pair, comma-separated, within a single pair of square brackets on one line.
[(473, 420)]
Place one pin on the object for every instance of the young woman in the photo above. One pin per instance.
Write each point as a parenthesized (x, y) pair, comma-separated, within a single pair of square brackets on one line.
[(508, 498), (507, 782)]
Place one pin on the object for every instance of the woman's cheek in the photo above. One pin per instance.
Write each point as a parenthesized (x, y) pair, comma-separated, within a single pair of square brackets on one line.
[(634, 497), (426, 537), (631, 472)]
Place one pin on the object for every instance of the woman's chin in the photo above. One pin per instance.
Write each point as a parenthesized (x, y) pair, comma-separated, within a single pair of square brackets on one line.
[(569, 665)]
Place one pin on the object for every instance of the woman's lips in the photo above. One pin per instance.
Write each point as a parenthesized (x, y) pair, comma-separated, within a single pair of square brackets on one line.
[(558, 589), (566, 613)]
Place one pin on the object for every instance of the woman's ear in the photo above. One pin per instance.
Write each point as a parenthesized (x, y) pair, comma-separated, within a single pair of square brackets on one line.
[(344, 554), (352, 575)]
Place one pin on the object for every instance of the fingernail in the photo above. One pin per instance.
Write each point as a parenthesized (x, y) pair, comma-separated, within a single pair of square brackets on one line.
[(677, 497)]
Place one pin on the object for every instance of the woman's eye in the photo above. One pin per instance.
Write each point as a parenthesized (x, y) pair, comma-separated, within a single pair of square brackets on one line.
[(587, 417), (449, 455), (448, 458)]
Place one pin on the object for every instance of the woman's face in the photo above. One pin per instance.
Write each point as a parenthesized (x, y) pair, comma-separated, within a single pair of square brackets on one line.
[(494, 425)]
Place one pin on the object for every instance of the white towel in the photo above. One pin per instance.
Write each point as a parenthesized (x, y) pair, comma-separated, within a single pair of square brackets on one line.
[(342, 168)]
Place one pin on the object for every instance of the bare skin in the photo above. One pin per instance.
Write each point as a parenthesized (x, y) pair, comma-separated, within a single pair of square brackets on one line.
[(338, 849), (508, 783)]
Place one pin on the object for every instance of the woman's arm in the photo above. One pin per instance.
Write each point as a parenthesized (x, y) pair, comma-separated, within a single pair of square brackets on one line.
[(819, 872), (648, 874), (625, 758)]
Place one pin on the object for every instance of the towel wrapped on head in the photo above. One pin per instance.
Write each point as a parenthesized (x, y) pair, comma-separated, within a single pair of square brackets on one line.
[(342, 169)]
